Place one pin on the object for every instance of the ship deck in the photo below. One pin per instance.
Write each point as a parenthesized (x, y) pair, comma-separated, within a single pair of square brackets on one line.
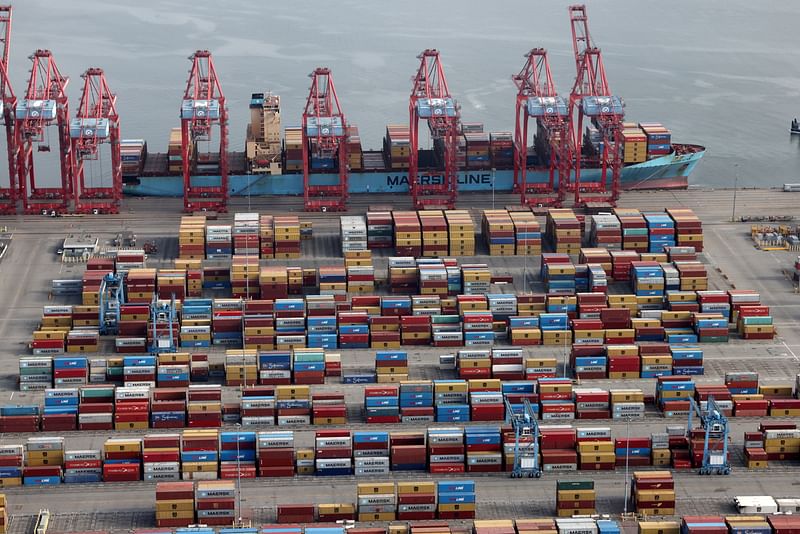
[(733, 262)]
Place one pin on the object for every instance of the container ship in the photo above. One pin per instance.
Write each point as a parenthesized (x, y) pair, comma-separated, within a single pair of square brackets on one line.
[(273, 165)]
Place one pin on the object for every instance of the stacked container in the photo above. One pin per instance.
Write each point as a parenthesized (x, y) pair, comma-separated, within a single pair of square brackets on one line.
[(371, 453), (659, 139), (416, 501), (246, 234), (275, 454), (293, 148), (287, 237), (379, 229), (434, 234), (377, 501), (216, 502), (161, 458), (484, 449), (397, 146), (563, 231), (237, 454), (219, 242), (634, 145), (407, 233), (653, 493), (606, 232), (498, 230), (174, 151), (688, 228), (391, 366), (353, 232), (174, 504), (575, 497), (456, 499), (527, 233), (44, 461), (83, 467), (382, 404), (460, 233), (446, 450), (245, 272), (11, 465), (293, 404), (199, 454), (122, 460)]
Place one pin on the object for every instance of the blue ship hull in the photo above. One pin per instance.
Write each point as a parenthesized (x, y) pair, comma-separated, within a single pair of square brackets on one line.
[(667, 172)]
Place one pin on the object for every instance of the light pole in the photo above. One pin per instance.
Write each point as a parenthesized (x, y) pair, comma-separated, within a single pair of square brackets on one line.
[(627, 457), (735, 187), (238, 476)]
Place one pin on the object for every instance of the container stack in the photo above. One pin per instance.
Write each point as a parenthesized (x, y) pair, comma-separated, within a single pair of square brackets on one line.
[(498, 230), (161, 458), (634, 145), (484, 446), (688, 228), (446, 450), (308, 365), (478, 155), (527, 233), (122, 460), (174, 504), (13, 460), (333, 452), (174, 156), (354, 156), (275, 454), (416, 401), (371, 453), (379, 229), (407, 233), (563, 231), (293, 404), (661, 232), (353, 232), (191, 237), (456, 499), (606, 232), (627, 404), (416, 501), (216, 502), (266, 236), (382, 404), (287, 237), (501, 149), (434, 233), (634, 229), (391, 366), (293, 148), (377, 501), (653, 493), (132, 154), (246, 234), (397, 146), (199, 454), (575, 497), (659, 139), (219, 242), (237, 455), (245, 277), (755, 322), (460, 233)]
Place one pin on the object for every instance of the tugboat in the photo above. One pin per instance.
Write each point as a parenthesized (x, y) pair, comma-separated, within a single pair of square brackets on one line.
[(795, 129)]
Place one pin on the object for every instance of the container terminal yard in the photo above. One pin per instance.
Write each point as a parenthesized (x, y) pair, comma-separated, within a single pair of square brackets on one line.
[(447, 360), (732, 263)]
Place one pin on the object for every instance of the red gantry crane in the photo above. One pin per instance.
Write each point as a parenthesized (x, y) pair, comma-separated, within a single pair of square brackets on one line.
[(45, 103), (203, 106), (9, 194), (537, 98), (591, 99), (431, 101), (96, 122), (324, 145)]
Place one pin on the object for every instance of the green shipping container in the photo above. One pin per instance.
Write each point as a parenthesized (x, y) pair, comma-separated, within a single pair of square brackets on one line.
[(562, 485)]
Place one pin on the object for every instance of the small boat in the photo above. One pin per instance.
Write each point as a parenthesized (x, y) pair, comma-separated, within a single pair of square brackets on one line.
[(795, 128)]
